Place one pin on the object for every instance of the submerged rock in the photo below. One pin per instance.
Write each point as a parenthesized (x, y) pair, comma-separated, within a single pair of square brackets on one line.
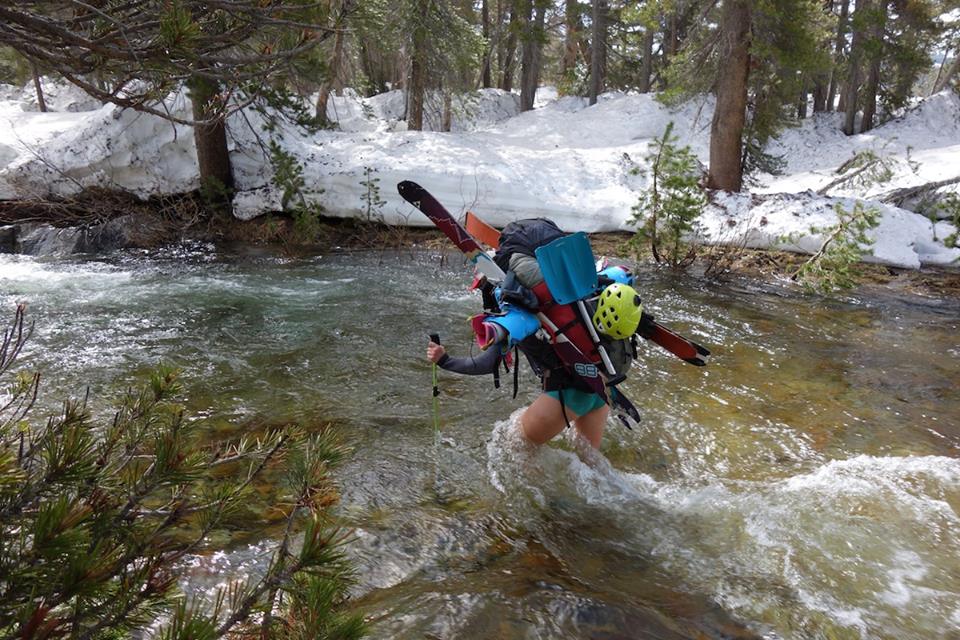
[(43, 239), (8, 238)]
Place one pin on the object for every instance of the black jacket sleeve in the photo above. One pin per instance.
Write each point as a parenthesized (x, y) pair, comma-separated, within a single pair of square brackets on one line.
[(484, 363)]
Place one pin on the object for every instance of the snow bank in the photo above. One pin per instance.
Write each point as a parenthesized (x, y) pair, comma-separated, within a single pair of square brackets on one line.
[(902, 239), (59, 154), (919, 147), (578, 164)]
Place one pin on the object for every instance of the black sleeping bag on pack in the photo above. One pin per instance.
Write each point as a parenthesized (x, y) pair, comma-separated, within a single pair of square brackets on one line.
[(524, 236)]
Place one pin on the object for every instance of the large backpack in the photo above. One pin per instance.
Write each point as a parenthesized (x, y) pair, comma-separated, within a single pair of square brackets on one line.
[(518, 243)]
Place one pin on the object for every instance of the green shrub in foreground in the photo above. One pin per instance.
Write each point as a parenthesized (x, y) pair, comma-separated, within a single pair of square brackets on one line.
[(96, 520)]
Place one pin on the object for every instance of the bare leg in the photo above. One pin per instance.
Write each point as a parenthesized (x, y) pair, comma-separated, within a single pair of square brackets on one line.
[(543, 419), (591, 425)]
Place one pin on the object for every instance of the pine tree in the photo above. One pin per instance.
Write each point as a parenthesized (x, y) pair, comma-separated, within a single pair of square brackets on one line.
[(888, 53), (754, 56), (598, 51), (445, 50), (97, 517), (667, 212), (133, 54)]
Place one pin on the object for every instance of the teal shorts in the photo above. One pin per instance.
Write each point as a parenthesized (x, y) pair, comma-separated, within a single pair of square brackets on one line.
[(578, 402)]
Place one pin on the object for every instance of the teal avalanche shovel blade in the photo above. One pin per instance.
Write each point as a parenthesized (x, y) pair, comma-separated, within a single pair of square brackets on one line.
[(568, 267)]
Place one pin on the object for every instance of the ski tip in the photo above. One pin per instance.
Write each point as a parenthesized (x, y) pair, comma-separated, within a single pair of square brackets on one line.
[(409, 190)]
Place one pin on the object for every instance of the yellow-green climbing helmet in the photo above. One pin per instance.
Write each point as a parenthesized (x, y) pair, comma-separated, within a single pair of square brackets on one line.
[(618, 311)]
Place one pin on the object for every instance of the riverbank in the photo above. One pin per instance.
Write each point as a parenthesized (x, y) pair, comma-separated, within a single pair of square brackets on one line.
[(582, 166), (99, 220)]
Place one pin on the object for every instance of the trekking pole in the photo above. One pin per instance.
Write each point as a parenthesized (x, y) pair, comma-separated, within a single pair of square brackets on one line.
[(435, 338)]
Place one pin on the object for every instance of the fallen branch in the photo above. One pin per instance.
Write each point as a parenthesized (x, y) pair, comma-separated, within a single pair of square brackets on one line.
[(899, 196), (846, 178), (822, 251)]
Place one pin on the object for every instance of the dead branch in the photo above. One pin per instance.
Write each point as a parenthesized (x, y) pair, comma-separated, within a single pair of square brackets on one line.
[(822, 191), (899, 196)]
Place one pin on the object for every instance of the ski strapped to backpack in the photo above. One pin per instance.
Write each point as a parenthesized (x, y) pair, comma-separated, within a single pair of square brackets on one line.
[(482, 231), (683, 348), (579, 364)]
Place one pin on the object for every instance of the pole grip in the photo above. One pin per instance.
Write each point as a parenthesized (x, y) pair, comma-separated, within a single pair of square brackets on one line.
[(435, 338)]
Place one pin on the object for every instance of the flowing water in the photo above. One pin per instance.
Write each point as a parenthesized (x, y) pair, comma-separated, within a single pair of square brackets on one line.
[(804, 485)]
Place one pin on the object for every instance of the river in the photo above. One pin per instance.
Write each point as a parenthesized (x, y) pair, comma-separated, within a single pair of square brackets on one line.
[(805, 484)]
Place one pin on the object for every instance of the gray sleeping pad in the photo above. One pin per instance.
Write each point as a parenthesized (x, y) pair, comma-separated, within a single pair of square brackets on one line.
[(527, 269)]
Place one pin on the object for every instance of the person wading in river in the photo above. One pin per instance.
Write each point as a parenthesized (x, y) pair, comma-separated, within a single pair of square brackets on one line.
[(567, 397)]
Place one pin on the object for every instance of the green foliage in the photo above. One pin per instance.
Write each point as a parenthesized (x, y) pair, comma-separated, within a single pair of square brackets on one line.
[(757, 160), (288, 177), (214, 194), (453, 49), (666, 213), (834, 265), (280, 104), (243, 50), (950, 205), (576, 81), (786, 51), (372, 201), (177, 29), (287, 174), (876, 168), (98, 517), (866, 168), (911, 32), (13, 67)]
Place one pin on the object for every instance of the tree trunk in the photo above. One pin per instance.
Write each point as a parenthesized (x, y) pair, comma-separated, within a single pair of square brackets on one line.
[(381, 74), (35, 72), (854, 75), (802, 103), (646, 68), (418, 73), (568, 65), (669, 29), (945, 78), (506, 80), (213, 160), (486, 81), (532, 46), (335, 78), (447, 120), (821, 80), (820, 87), (599, 48), (726, 131), (501, 41), (873, 74), (527, 47), (838, 53)]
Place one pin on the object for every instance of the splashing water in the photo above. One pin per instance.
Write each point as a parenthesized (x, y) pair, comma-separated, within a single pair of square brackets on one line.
[(821, 554)]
